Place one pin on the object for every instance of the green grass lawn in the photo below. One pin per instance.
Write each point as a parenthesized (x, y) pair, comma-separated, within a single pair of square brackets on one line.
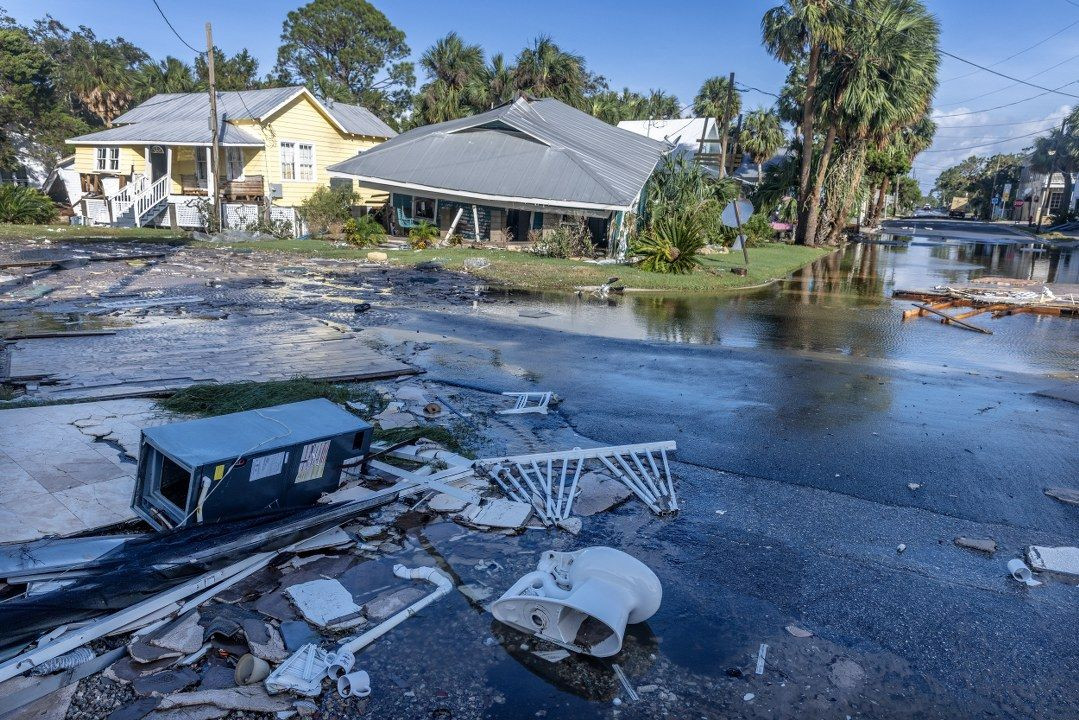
[(88, 233), (508, 268), (524, 270)]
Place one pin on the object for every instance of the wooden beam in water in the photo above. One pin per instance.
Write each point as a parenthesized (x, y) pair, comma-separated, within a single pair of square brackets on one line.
[(908, 314), (979, 311), (949, 319)]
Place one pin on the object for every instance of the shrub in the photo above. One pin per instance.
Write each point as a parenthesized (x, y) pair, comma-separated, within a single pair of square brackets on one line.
[(568, 240), (280, 229), (422, 236), (327, 206), (363, 232), (757, 229), (670, 245), (25, 205)]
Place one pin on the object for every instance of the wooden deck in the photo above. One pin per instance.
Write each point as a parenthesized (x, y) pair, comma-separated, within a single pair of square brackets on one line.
[(994, 295)]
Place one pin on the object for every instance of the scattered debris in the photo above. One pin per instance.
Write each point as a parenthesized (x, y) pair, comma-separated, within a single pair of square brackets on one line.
[(251, 670), (354, 684), (985, 545), (552, 656), (901, 547), (528, 402), (626, 684), (582, 600), (476, 263), (323, 602), (498, 514), (1068, 496), (1060, 560), (798, 632), (846, 674), (1021, 573), (761, 653), (913, 486), (302, 672)]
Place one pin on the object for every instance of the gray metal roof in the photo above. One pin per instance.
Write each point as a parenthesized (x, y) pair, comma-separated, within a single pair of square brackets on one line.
[(183, 117), (358, 120), (534, 150), (179, 131), (225, 437)]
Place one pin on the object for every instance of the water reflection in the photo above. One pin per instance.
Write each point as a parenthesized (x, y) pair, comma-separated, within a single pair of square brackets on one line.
[(842, 304)]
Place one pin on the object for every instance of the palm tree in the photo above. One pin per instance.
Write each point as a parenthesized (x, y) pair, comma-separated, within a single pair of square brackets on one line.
[(799, 31), (718, 99), (1059, 152), (762, 137), (457, 80), (499, 79), (660, 105), (546, 70), (170, 75)]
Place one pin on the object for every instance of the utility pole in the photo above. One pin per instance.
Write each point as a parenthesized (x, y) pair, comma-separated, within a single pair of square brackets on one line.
[(216, 151), (726, 129)]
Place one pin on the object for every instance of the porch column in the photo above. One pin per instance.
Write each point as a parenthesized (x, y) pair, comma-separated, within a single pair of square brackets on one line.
[(211, 179), (168, 166), (147, 171)]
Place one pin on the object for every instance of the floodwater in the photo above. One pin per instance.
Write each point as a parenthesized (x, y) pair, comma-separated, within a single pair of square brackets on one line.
[(842, 304)]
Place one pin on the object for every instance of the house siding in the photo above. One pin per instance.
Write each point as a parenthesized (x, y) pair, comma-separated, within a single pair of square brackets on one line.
[(131, 157), (301, 121)]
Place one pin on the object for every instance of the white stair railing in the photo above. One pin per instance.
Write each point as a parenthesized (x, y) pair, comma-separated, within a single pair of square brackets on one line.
[(121, 200), (150, 197)]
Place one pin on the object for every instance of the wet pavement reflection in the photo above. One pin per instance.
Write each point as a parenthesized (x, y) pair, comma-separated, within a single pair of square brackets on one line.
[(841, 304)]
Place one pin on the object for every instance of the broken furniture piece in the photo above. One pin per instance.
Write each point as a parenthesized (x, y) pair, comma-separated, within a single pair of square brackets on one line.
[(548, 481), (301, 673), (582, 600), (234, 465), (528, 402)]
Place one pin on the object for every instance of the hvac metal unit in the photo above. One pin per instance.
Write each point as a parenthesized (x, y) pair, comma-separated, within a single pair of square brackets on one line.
[(235, 465)]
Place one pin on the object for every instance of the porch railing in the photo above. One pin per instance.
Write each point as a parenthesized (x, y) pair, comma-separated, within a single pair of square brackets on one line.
[(122, 200), (150, 197)]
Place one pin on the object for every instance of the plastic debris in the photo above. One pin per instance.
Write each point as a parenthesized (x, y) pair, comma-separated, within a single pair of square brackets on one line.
[(626, 684), (65, 661), (528, 402), (1021, 573), (302, 673), (762, 652), (354, 684), (323, 601)]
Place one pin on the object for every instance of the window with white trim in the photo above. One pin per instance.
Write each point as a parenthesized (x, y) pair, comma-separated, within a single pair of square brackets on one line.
[(1055, 201), (297, 161), (201, 169), (107, 159), (234, 163)]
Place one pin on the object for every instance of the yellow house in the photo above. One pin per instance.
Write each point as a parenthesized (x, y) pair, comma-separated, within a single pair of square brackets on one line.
[(152, 167)]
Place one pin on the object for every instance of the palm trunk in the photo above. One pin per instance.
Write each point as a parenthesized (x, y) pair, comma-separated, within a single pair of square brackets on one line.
[(818, 185), (760, 174), (725, 128), (1066, 198), (845, 206), (807, 145), (878, 206)]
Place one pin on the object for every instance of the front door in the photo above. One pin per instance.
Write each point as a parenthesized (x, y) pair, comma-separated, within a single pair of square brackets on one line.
[(159, 162), (519, 223)]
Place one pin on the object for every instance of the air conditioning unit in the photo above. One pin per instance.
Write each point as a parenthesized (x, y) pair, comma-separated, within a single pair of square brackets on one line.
[(244, 463)]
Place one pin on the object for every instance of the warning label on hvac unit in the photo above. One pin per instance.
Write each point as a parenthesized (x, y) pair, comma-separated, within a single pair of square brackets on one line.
[(267, 465), (312, 461)]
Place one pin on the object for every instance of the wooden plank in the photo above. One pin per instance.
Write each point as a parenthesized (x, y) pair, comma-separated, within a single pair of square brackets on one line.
[(979, 311), (950, 319), (918, 312)]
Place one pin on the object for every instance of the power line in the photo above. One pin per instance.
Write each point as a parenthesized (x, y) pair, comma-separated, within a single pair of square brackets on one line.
[(1008, 87), (185, 42), (994, 142), (998, 107), (1015, 55)]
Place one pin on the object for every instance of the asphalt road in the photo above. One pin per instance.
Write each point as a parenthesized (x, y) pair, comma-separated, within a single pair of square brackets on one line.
[(809, 456)]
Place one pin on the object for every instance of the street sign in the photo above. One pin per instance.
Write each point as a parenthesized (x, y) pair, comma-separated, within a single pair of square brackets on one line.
[(1007, 193), (996, 200), (1020, 203), (731, 218)]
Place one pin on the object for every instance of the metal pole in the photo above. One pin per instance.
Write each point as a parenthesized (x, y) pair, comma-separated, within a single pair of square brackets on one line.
[(213, 126), (738, 220)]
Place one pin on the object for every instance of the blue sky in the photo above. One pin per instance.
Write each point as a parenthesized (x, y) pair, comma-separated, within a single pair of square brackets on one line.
[(646, 45)]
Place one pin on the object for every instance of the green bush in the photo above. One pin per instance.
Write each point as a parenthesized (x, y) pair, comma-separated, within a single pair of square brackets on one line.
[(757, 229), (670, 245), (25, 205), (280, 229), (327, 206), (422, 236), (364, 232), (568, 240)]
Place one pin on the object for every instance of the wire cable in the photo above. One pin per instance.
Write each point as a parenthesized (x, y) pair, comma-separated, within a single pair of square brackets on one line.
[(994, 142), (178, 36), (1015, 55), (1009, 87)]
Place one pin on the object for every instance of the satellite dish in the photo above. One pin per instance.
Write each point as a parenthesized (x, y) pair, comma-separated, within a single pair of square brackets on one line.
[(745, 209)]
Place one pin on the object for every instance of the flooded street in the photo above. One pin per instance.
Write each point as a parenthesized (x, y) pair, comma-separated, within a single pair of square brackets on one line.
[(842, 304), (829, 455)]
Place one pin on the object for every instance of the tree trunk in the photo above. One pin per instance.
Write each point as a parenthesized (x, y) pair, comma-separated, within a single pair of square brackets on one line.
[(818, 185), (760, 174), (845, 207), (878, 206), (1066, 198), (807, 144), (724, 126)]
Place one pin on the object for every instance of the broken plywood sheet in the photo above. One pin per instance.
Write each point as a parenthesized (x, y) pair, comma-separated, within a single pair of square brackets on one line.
[(160, 356), (323, 601), (599, 492), (252, 698), (1060, 560), (498, 514)]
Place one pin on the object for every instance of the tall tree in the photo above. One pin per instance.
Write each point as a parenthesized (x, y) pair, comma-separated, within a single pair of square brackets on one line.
[(660, 105), (499, 78), (456, 81), (170, 75), (25, 90), (798, 31), (545, 70), (349, 51), (718, 99), (762, 137), (1059, 152), (239, 72)]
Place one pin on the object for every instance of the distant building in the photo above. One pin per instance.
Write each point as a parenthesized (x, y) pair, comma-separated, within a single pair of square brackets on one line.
[(1041, 194)]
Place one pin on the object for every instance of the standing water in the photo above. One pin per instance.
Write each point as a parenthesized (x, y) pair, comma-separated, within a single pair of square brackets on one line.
[(842, 304)]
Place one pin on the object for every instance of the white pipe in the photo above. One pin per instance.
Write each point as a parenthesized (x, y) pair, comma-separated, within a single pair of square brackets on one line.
[(430, 574)]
